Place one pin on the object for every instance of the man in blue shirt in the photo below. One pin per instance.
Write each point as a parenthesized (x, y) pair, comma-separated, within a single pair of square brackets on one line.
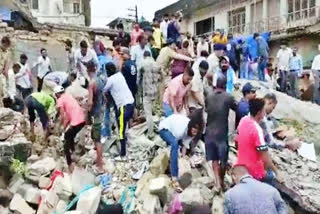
[(231, 51), (249, 93), (244, 60), (296, 68), (263, 55), (129, 71)]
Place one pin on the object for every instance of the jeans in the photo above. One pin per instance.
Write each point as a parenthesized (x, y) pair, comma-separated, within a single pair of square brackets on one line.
[(106, 131), (167, 110), (293, 81), (269, 177), (244, 68), (124, 114), (261, 69), (283, 80), (168, 137), (69, 136), (25, 92), (147, 105), (34, 106)]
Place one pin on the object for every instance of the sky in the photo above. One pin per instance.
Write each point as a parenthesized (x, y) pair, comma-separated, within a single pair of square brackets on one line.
[(104, 11)]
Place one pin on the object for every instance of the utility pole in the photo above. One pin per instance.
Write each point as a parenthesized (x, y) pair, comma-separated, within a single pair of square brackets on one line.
[(135, 10)]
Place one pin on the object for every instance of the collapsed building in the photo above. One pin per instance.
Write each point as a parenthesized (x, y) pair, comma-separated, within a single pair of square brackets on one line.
[(297, 21)]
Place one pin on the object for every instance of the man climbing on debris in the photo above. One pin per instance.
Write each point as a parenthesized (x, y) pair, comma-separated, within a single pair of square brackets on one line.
[(218, 105), (95, 108), (175, 96), (268, 124), (176, 130), (44, 105), (72, 119), (124, 103), (252, 148), (239, 200)]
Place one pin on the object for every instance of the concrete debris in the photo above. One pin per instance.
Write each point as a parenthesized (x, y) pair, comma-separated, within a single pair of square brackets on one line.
[(15, 183), (160, 164), (42, 167), (89, 201), (30, 193), (5, 197), (18, 204), (184, 166), (191, 196), (44, 182), (61, 206), (80, 179), (159, 186)]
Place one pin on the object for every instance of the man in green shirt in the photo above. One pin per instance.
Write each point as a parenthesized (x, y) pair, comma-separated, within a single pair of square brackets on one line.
[(44, 105)]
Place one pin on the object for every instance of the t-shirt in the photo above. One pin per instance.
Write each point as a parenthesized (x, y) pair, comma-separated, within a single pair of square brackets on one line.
[(157, 37), (134, 36), (120, 92), (43, 66), (218, 105), (283, 57), (177, 89), (46, 101), (242, 110), (23, 78), (250, 141), (83, 60), (129, 71), (177, 124), (73, 113)]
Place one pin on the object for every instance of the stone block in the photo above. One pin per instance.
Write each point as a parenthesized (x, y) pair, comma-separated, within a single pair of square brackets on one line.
[(44, 182), (17, 147), (89, 201), (80, 179), (159, 187), (63, 187), (30, 193), (191, 197), (18, 204), (15, 183), (159, 164), (143, 183), (184, 166), (42, 167), (151, 204)]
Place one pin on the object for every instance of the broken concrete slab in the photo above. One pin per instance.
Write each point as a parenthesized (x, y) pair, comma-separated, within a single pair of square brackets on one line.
[(62, 186), (80, 179), (89, 200), (191, 196), (15, 182), (44, 182), (184, 166), (18, 204), (30, 193), (160, 163), (42, 167), (159, 187), (143, 183)]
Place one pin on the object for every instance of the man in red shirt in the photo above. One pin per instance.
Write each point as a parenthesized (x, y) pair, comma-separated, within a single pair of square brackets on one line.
[(252, 149)]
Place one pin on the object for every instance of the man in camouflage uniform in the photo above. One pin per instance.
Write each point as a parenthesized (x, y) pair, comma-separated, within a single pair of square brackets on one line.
[(4, 64)]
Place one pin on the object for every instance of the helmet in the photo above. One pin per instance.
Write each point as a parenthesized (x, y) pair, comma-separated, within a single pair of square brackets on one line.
[(58, 89)]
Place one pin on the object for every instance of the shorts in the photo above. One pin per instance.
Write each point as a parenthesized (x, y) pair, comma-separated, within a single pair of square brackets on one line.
[(96, 128), (217, 151)]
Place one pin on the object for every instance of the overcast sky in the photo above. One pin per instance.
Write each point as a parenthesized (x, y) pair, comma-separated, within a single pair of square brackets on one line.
[(103, 11)]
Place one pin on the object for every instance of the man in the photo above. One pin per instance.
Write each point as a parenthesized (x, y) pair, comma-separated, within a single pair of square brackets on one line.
[(283, 58), (202, 46), (196, 94), (174, 129), (24, 78), (135, 33), (227, 72), (10, 99), (164, 27), (174, 98), (263, 55), (269, 125), (117, 54), (150, 73), (220, 41), (95, 108), (296, 68), (191, 44), (214, 65), (124, 103), (244, 60), (218, 105), (238, 200), (58, 78), (123, 37), (44, 105), (129, 71), (178, 66), (4, 63), (174, 29), (71, 57), (252, 149), (157, 39), (82, 57), (72, 119), (44, 67), (249, 93), (316, 70), (231, 51)]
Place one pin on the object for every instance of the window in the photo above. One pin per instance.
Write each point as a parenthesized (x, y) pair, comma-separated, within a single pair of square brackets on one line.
[(237, 20), (301, 9), (76, 8), (204, 26), (35, 4)]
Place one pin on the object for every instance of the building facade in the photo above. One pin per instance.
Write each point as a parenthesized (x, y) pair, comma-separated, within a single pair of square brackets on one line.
[(127, 24), (285, 19)]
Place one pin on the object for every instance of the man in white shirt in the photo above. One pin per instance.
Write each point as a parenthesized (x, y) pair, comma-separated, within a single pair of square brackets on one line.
[(24, 78), (283, 58), (124, 101), (10, 99), (214, 65), (202, 46), (71, 57), (82, 57), (44, 67), (164, 27), (316, 70)]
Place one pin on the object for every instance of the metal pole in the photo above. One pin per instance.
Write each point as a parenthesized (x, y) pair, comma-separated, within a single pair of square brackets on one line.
[(137, 17)]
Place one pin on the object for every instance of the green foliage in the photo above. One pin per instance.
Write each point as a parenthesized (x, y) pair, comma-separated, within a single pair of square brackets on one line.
[(18, 167)]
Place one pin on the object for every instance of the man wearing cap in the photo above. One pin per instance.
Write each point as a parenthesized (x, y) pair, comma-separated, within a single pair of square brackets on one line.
[(218, 105), (239, 199), (227, 72), (196, 93), (72, 119), (249, 93)]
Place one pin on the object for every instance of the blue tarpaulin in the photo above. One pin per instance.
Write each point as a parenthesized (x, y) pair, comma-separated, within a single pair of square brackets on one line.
[(5, 13)]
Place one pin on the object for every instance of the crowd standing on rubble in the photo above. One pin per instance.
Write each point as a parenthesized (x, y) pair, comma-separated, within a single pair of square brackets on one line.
[(193, 82)]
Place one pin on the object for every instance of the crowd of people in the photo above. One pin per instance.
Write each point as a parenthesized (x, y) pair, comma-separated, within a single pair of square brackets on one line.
[(193, 83)]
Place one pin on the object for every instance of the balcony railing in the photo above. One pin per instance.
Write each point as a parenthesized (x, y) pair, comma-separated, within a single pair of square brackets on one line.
[(278, 24)]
